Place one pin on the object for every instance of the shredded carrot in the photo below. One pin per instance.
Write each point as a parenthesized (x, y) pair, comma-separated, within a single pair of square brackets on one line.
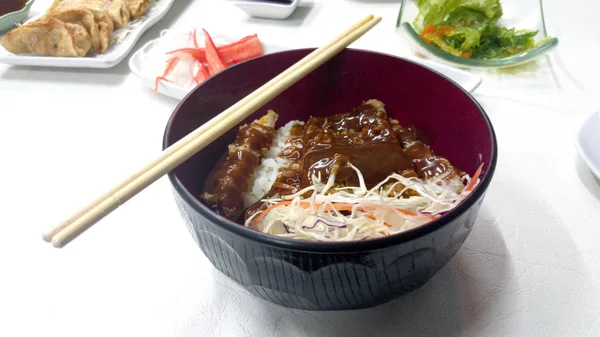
[(171, 63), (201, 74), (474, 179), (428, 30), (468, 54), (198, 54), (442, 31), (338, 207), (261, 216), (194, 38), (411, 213), (158, 79), (369, 216), (406, 212)]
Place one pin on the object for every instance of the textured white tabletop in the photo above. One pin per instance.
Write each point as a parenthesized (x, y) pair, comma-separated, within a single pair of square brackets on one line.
[(531, 267)]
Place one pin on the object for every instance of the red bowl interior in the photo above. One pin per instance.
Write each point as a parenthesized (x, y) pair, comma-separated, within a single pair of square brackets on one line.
[(446, 116)]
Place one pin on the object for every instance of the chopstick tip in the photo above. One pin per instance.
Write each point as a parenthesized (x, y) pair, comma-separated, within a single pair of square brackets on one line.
[(58, 243), (59, 240), (47, 237)]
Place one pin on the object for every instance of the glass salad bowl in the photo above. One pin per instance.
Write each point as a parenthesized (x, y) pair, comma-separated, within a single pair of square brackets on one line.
[(518, 14)]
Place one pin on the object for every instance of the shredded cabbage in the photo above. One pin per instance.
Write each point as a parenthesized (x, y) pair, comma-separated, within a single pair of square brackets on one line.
[(356, 213)]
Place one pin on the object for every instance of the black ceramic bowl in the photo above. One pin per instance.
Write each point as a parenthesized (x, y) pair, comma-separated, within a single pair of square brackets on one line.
[(341, 275)]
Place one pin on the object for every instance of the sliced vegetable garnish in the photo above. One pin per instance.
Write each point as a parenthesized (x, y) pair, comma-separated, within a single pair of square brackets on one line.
[(340, 207), (197, 53), (201, 74), (369, 216), (206, 61), (242, 50), (236, 52), (429, 30), (215, 63), (474, 179), (322, 213), (194, 39), (171, 63)]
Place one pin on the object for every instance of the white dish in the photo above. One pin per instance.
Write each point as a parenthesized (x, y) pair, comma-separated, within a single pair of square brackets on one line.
[(113, 56), (266, 9), (139, 65), (588, 143)]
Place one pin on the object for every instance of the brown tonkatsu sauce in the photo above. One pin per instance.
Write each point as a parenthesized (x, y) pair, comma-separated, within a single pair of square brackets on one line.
[(254, 138), (425, 162), (364, 137), (225, 187), (230, 181)]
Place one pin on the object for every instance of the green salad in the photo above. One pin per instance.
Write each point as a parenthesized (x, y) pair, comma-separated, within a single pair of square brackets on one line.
[(468, 28)]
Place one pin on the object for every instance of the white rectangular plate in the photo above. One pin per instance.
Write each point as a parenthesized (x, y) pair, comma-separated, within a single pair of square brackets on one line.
[(113, 56)]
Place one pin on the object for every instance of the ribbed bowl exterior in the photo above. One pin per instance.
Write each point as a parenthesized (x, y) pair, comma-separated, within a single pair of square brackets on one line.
[(327, 281)]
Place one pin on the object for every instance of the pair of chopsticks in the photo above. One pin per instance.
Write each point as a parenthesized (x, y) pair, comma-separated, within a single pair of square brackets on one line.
[(191, 144)]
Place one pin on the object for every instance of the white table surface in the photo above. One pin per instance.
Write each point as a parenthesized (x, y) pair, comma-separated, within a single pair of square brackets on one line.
[(531, 267)]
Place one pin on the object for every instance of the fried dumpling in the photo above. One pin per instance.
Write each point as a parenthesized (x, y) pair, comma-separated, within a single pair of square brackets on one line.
[(105, 27), (98, 24), (81, 17), (82, 42), (138, 7), (116, 10), (49, 37)]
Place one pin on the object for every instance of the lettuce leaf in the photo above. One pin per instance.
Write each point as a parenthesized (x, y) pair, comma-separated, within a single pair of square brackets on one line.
[(499, 42), (464, 38), (437, 11), (468, 28), (466, 17)]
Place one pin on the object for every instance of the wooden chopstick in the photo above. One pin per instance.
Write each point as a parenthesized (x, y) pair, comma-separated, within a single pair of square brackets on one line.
[(177, 153), (47, 236)]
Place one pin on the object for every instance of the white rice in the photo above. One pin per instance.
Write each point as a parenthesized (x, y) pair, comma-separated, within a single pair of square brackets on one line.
[(266, 173)]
